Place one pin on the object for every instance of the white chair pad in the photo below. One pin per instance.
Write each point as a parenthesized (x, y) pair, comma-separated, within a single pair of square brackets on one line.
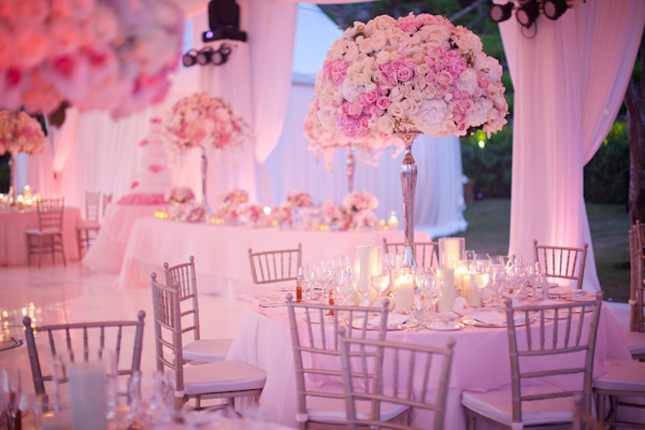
[(636, 342), (624, 375), (498, 405), (333, 411), (223, 376), (44, 232), (88, 225), (207, 350)]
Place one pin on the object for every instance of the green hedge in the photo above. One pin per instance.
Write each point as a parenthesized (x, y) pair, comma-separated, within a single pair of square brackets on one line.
[(605, 178)]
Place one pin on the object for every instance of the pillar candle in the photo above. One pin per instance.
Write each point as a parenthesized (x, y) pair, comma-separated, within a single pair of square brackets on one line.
[(366, 263), (451, 250), (404, 294), (87, 394), (447, 285), (470, 293)]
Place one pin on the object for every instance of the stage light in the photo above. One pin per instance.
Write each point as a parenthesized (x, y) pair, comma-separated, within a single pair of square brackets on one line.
[(554, 9), (499, 12), (528, 13), (221, 55), (189, 58), (204, 56)]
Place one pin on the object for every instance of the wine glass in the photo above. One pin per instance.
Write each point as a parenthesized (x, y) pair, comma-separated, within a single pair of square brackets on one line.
[(10, 393)]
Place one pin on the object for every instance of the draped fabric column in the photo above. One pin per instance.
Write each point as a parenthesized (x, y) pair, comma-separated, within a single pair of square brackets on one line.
[(569, 82)]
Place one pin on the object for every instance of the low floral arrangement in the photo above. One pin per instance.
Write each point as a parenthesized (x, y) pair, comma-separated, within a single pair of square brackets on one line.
[(300, 199), (236, 196), (358, 201), (281, 215), (194, 211), (20, 132), (330, 213), (233, 204), (179, 195), (255, 214), (363, 219), (102, 54), (417, 72), (207, 121), (324, 143)]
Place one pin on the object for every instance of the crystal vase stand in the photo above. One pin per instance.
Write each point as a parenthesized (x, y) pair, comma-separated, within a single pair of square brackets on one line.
[(408, 185)]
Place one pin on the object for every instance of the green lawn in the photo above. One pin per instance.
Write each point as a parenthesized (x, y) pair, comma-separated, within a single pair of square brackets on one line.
[(488, 231)]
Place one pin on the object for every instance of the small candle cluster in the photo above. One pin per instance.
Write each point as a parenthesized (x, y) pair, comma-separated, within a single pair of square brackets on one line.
[(26, 200)]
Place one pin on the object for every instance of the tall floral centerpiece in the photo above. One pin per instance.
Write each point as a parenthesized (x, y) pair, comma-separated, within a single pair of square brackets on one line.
[(324, 143), (19, 132), (112, 55), (407, 76), (202, 120)]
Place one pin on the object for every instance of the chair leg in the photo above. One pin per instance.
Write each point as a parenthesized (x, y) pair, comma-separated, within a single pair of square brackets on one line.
[(40, 250), (62, 249), (470, 420)]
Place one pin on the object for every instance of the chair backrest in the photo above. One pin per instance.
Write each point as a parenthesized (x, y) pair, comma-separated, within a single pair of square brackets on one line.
[(637, 265), (183, 277), (315, 339), (168, 342), (561, 262), (582, 420), (426, 254), (275, 266), (92, 204), (563, 336), (84, 341), (50, 213), (401, 374), (107, 200)]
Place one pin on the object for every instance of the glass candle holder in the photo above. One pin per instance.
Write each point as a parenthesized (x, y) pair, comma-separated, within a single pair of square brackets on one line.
[(451, 251)]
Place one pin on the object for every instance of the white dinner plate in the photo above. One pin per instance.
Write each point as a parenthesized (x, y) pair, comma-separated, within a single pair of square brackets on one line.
[(445, 325)]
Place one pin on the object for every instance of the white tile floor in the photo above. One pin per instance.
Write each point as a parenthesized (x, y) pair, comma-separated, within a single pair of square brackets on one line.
[(57, 294)]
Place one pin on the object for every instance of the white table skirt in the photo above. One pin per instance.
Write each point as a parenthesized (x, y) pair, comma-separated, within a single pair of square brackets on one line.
[(221, 252), (481, 361)]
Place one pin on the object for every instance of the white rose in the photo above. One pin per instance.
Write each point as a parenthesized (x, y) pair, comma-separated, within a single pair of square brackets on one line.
[(396, 95), (385, 124), (396, 109), (410, 107), (433, 113), (349, 90), (378, 41), (381, 22), (467, 81)]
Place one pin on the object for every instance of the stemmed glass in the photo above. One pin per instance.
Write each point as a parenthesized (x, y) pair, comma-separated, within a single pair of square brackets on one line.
[(480, 276), (10, 393)]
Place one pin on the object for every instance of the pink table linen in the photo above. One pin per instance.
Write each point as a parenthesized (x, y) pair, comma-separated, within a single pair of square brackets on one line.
[(481, 360), (106, 254), (221, 252), (13, 236)]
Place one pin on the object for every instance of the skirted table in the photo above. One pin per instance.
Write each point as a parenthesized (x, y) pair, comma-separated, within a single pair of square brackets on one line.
[(221, 251)]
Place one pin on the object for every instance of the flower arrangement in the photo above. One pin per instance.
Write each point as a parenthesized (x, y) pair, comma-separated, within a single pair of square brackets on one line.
[(364, 219), (236, 196), (203, 120), (324, 143), (300, 199), (94, 54), (281, 215), (179, 195), (255, 214), (359, 201), (193, 211), (20, 132), (418, 72), (330, 213), (232, 204)]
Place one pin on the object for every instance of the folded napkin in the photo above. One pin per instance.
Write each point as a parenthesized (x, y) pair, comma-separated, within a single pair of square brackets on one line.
[(393, 320), (494, 318)]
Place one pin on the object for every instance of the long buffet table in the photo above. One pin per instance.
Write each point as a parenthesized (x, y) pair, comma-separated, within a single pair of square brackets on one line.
[(13, 236), (221, 251)]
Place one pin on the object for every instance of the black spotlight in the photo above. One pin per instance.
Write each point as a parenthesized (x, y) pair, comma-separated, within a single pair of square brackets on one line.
[(221, 55), (224, 21), (204, 56), (554, 9), (499, 12), (528, 13), (189, 58)]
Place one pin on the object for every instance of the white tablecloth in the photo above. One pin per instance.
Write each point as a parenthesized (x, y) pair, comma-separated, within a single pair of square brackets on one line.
[(106, 254), (13, 236), (481, 360), (221, 252)]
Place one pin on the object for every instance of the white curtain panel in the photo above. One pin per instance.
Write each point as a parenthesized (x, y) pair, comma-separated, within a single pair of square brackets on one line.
[(569, 80)]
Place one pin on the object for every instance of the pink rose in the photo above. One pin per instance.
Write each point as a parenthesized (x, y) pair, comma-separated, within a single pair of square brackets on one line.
[(405, 74), (444, 77)]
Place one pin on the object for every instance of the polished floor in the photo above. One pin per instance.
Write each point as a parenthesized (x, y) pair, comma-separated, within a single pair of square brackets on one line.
[(57, 294)]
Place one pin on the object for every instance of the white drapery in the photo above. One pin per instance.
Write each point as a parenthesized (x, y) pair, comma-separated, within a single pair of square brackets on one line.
[(569, 81)]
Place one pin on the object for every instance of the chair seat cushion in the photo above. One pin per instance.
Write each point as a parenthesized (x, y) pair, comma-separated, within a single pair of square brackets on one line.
[(207, 350), (623, 375), (333, 411), (224, 376), (498, 405), (88, 225), (636, 342), (44, 232)]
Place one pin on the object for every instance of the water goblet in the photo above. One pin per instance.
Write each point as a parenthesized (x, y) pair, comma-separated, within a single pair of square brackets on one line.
[(10, 393)]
